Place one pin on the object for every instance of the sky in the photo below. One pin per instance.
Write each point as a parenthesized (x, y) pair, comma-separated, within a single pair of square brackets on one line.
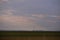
[(30, 15)]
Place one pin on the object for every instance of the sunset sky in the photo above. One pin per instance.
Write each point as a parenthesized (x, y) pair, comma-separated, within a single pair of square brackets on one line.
[(30, 15)]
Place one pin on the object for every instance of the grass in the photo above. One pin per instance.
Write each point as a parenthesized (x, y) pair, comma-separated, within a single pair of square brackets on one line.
[(29, 35)]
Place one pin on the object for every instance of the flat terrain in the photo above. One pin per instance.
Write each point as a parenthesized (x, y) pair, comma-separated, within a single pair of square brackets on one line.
[(29, 35)]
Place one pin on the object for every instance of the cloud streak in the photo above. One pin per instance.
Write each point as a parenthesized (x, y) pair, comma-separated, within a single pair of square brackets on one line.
[(18, 22), (2, 1), (39, 15)]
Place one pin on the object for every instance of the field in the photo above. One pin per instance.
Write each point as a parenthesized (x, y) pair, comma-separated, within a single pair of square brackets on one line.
[(29, 35)]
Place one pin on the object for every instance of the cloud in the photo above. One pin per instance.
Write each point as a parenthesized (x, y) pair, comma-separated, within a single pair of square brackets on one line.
[(2, 1), (58, 17), (13, 22), (8, 12), (17, 19), (39, 15), (19, 0), (46, 16), (21, 22), (8, 16), (5, 0), (51, 21)]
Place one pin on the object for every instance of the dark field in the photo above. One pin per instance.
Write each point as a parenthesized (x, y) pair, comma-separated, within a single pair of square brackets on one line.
[(29, 35)]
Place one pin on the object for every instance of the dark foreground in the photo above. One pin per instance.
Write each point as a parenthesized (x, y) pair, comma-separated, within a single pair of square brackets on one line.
[(29, 35)]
